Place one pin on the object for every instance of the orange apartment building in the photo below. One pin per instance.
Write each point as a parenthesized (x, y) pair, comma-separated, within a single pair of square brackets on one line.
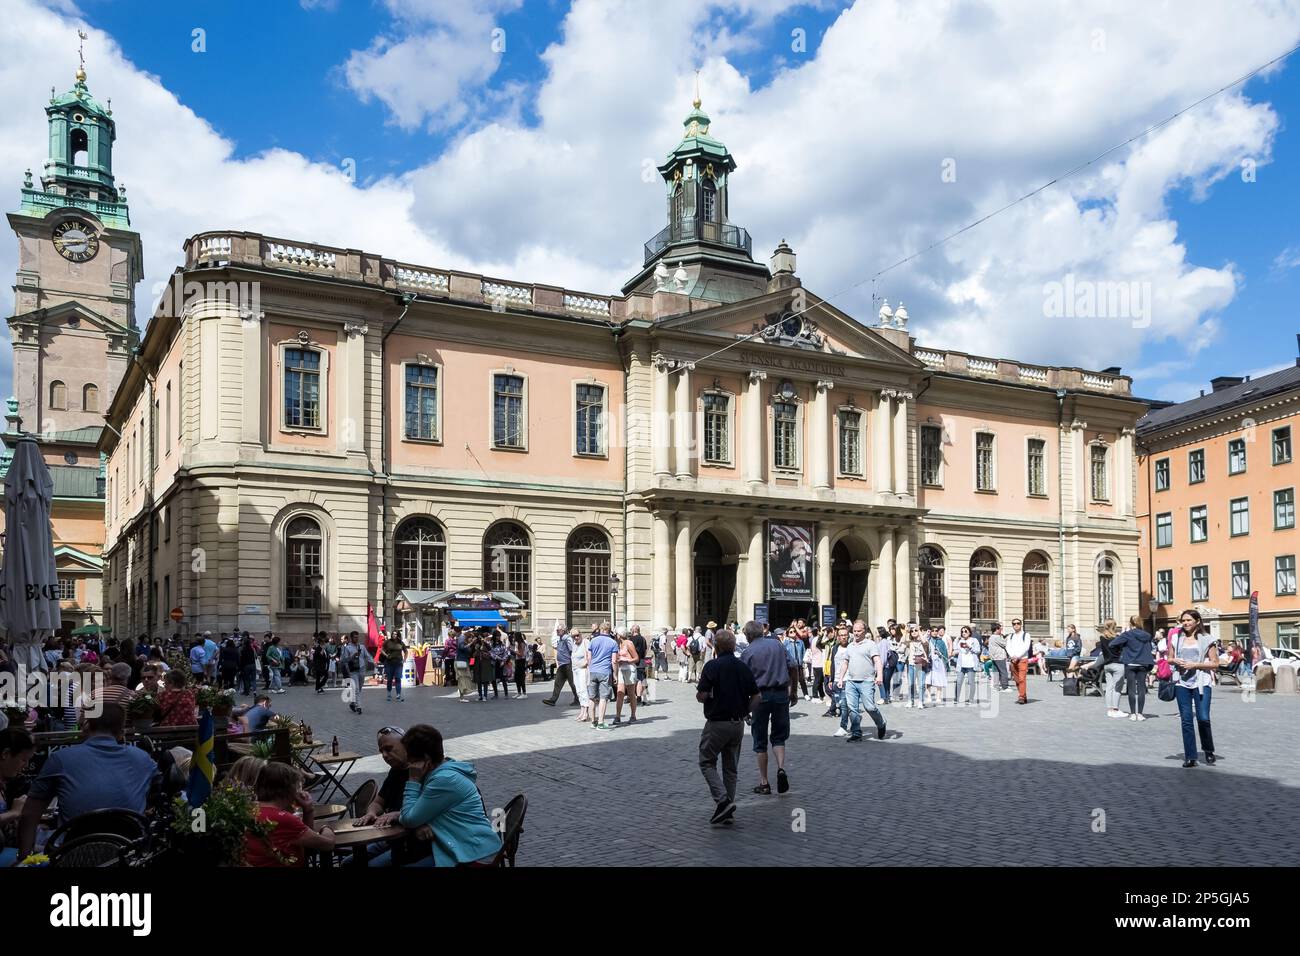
[(1217, 506)]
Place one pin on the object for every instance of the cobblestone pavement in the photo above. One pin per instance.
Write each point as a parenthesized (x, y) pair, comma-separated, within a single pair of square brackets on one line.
[(1051, 783)]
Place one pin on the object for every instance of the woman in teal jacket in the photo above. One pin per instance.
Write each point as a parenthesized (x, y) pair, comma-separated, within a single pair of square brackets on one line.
[(441, 802)]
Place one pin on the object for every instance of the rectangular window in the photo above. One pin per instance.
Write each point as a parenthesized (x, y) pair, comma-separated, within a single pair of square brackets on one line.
[(180, 402), (931, 455), (785, 435), (590, 412), (167, 522), (1037, 459), (1201, 583), (1284, 571), (301, 388), (1200, 523), (422, 402), (1240, 632), (850, 443), (1282, 445), (155, 531), (1288, 635), (1236, 456), (1284, 508), (984, 465), (1196, 466), (165, 610), (153, 435), (1162, 474), (1165, 587), (508, 411), (1241, 579), (717, 422), (67, 589), (167, 421), (1239, 509), (1165, 530), (1100, 484)]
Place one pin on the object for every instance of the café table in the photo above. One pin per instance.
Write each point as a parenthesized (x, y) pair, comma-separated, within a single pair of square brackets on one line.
[(330, 811), (335, 768), (347, 834)]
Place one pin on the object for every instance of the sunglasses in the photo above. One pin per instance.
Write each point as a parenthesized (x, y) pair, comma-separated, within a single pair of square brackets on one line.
[(391, 730)]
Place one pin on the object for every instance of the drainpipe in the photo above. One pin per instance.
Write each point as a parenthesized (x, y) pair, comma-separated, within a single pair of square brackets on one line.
[(406, 299), (1060, 503), (617, 332)]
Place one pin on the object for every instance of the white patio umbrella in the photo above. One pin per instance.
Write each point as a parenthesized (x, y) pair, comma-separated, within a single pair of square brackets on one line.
[(29, 595)]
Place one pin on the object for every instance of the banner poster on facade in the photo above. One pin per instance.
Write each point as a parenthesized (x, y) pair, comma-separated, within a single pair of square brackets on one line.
[(789, 561)]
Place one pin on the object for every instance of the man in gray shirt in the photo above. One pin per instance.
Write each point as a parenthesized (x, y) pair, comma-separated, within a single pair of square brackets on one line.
[(998, 654), (858, 671), (767, 661), (563, 644)]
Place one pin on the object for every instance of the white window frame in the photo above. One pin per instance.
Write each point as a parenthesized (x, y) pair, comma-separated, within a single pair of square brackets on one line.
[(1170, 516), (1244, 456), (492, 411), (797, 467), (1290, 448), (1191, 524), (1163, 577), (862, 442), (1276, 503), (281, 364), (1102, 495), (975, 461), (1232, 518), (439, 389), (1278, 571), (1168, 474), (729, 452), (603, 453), (1029, 485), (1232, 572), (1205, 580), (1190, 459)]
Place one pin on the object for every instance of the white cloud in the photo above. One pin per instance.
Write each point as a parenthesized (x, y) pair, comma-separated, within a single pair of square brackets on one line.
[(1287, 259)]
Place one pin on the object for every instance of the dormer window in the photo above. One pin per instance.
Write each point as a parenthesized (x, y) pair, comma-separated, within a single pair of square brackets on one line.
[(710, 212)]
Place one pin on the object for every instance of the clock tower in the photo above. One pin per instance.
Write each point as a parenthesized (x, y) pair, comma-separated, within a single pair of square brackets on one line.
[(73, 326)]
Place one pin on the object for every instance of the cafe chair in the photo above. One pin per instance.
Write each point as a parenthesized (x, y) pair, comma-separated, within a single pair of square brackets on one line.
[(362, 798), (92, 850), (127, 824), (514, 826)]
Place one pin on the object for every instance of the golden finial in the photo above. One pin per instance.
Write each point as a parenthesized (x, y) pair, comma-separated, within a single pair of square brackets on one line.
[(81, 55), (696, 103)]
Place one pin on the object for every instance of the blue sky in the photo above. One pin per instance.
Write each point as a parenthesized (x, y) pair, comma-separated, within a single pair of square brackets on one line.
[(526, 163)]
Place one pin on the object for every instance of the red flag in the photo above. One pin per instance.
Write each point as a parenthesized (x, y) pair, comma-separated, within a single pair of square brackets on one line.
[(372, 632)]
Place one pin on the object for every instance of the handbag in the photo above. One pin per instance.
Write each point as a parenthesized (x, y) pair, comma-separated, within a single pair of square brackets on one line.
[(1165, 690), (1070, 687)]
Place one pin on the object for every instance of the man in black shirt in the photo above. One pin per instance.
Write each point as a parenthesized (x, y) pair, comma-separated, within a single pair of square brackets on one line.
[(728, 691), (642, 648), (387, 803)]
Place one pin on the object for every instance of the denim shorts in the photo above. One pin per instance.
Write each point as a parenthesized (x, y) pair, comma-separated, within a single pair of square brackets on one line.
[(774, 704), (598, 686)]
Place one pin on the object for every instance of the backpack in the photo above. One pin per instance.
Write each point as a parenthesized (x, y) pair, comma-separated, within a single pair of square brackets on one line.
[(892, 659), (693, 645)]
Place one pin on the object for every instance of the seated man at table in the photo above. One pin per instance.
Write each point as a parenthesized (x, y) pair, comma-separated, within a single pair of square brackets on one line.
[(279, 792), (257, 716), (150, 680), (111, 688), (99, 774), (442, 804), (386, 807)]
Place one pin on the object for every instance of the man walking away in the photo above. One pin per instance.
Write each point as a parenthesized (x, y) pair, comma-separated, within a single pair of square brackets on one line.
[(563, 644), (728, 692), (603, 649), (998, 654), (695, 647), (767, 661), (1017, 649)]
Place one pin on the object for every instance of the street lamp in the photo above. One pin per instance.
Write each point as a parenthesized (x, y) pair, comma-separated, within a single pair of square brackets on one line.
[(613, 600), (316, 581)]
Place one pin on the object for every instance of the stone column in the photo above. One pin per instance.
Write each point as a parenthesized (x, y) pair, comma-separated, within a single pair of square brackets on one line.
[(660, 416), (662, 582), (903, 575), (900, 450), (885, 592), (882, 430), (684, 567), (683, 421), (1124, 469), (821, 427), (755, 420), (351, 378), (756, 572), (1078, 465), (823, 563)]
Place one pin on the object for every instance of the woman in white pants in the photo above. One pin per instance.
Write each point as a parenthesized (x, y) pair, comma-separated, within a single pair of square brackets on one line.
[(580, 662)]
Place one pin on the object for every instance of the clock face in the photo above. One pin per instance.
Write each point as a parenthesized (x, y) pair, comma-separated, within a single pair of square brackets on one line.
[(76, 240)]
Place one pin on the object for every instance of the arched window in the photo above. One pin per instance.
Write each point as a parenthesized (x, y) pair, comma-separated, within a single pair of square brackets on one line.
[(79, 147), (58, 395), (302, 562), (930, 561), (984, 585), (1036, 587), (710, 202), (90, 398), (508, 560), (587, 583), (1105, 590), (421, 556)]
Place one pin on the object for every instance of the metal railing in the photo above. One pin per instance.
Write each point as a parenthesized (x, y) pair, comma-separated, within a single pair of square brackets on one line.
[(699, 230)]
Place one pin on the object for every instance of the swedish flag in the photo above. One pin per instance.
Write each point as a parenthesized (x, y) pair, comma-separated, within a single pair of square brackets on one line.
[(201, 769)]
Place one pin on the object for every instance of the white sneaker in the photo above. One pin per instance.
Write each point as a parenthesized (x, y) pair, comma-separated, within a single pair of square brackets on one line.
[(1132, 716), (1139, 717), (840, 732)]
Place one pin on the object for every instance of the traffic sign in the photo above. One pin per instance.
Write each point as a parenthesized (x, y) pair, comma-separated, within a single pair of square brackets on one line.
[(177, 614)]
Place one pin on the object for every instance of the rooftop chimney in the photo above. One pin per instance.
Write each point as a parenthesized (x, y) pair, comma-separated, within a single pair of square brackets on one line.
[(1225, 381)]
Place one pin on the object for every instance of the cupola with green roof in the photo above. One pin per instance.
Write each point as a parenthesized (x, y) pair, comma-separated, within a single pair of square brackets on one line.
[(716, 254)]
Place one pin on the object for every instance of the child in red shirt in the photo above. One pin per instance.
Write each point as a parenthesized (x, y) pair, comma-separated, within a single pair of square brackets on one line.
[(279, 790)]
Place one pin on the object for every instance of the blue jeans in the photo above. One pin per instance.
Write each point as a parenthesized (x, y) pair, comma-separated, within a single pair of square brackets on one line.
[(860, 694), (393, 676), (916, 683), (967, 674), (275, 678), (773, 705), (1194, 703)]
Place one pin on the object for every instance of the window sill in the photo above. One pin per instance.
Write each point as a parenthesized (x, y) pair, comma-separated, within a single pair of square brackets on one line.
[(1239, 534), (517, 449), (602, 456), (304, 432), (928, 484), (1101, 501), (1284, 461), (421, 441), (717, 464), (1037, 495), (986, 491)]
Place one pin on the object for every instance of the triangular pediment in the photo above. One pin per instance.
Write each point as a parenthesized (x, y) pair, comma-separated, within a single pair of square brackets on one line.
[(824, 329), (67, 558), (58, 315)]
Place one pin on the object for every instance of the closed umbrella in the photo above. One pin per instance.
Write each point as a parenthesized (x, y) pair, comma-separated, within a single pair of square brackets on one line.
[(29, 594)]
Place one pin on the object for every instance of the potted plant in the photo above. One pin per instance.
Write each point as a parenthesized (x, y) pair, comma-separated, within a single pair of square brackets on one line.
[(143, 710), (213, 834), (219, 702), (292, 724)]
